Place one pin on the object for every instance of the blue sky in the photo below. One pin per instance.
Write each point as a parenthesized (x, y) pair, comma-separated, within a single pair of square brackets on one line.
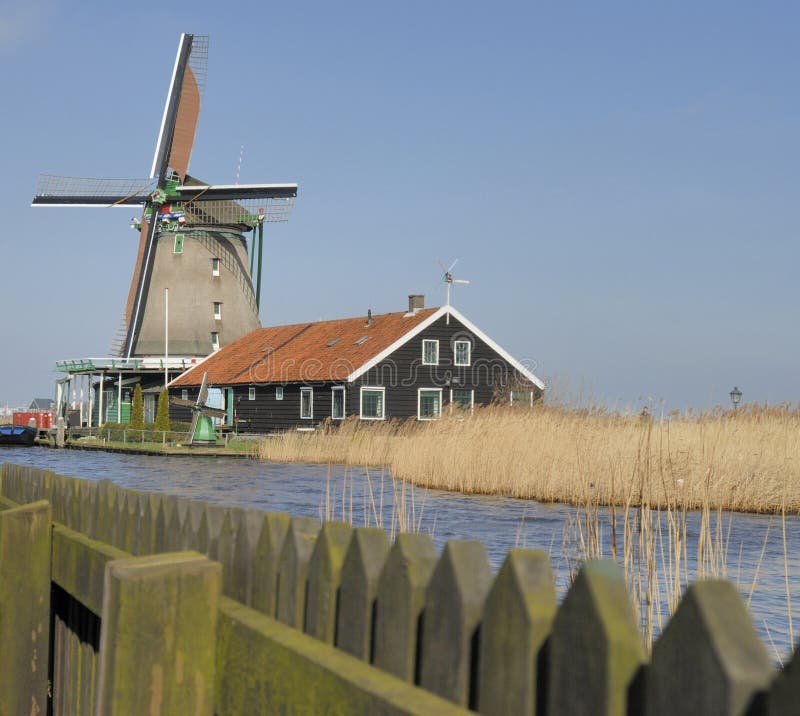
[(618, 180)]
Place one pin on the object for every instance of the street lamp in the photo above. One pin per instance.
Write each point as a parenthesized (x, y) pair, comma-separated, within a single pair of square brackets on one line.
[(736, 396)]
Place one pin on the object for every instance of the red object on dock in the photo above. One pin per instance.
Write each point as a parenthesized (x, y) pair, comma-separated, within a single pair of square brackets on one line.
[(43, 418)]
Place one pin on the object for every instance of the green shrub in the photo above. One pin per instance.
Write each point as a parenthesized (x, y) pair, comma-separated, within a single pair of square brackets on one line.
[(162, 413), (137, 409)]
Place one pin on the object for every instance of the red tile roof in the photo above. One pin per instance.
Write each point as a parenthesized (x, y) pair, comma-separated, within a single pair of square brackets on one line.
[(326, 350)]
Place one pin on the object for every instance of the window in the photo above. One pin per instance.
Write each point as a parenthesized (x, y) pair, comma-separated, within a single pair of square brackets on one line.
[(462, 398), (522, 397), (372, 404), (279, 392), (361, 340), (217, 310), (178, 248), (337, 403), (429, 403), (333, 342), (430, 352), (251, 393), (463, 349), (215, 267), (185, 394), (306, 403), (214, 340)]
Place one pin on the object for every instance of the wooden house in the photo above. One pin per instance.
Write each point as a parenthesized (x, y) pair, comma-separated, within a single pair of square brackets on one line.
[(410, 364)]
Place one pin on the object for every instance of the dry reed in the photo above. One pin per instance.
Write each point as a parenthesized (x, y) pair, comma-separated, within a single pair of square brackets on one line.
[(742, 461)]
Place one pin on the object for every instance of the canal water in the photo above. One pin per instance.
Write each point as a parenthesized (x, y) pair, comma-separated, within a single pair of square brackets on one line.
[(364, 497)]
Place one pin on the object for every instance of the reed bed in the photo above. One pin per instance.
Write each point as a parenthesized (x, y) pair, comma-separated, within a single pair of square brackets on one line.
[(747, 460)]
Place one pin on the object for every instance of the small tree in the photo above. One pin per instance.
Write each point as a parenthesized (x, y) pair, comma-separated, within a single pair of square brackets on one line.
[(162, 413), (137, 409)]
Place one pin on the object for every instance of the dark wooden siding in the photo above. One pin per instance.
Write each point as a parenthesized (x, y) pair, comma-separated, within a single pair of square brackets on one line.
[(403, 373)]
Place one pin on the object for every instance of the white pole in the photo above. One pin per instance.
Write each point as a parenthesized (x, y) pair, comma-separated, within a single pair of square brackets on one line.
[(119, 398), (101, 413), (166, 335)]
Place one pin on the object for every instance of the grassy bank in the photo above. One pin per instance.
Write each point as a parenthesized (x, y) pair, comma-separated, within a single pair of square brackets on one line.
[(743, 461)]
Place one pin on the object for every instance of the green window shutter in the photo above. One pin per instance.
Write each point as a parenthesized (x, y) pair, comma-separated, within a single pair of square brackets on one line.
[(178, 244)]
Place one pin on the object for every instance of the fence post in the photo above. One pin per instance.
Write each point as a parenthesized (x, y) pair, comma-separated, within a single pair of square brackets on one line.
[(324, 580), (400, 604), (709, 659), (360, 573), (452, 622), (267, 561), (293, 571), (157, 645), (516, 623), (595, 646), (25, 537)]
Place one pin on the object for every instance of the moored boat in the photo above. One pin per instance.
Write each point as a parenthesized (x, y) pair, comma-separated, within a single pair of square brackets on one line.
[(19, 435)]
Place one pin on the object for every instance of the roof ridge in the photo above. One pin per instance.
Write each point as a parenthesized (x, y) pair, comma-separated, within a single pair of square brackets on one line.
[(349, 318)]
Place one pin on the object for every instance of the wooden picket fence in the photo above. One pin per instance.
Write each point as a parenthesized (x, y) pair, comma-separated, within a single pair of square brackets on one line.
[(115, 601)]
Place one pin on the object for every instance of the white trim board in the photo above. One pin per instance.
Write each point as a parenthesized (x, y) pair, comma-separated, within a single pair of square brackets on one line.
[(429, 321)]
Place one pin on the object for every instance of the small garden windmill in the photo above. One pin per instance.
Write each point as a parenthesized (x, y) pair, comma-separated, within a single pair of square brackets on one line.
[(202, 430), (448, 279), (191, 233)]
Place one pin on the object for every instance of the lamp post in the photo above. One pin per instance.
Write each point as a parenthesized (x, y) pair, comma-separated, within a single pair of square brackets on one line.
[(736, 396)]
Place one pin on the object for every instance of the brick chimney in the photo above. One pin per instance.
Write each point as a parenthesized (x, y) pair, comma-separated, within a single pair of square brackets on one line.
[(416, 302)]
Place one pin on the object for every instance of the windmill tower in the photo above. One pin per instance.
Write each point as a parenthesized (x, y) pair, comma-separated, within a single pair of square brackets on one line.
[(191, 234)]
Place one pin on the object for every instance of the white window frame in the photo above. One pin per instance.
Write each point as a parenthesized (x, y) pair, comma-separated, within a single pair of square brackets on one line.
[(469, 352), (419, 403), (278, 392), (251, 392), (530, 397), (215, 266), (471, 398), (218, 310), (376, 388), (215, 340), (310, 392), (430, 340), (341, 389)]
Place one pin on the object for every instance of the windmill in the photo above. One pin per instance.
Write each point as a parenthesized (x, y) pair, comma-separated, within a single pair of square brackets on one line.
[(191, 234), (448, 279), (202, 430)]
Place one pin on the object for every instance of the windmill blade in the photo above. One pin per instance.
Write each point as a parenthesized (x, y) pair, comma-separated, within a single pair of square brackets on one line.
[(243, 206), (183, 403), (213, 412), (441, 265), (181, 110), (53, 190), (460, 280), (452, 266), (195, 418), (202, 396), (189, 107), (139, 283), (234, 192)]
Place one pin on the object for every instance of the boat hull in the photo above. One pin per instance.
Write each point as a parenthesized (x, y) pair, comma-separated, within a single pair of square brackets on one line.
[(17, 435)]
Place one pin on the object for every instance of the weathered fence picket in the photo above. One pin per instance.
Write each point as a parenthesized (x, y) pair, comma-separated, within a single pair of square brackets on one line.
[(400, 605), (293, 571), (361, 570), (324, 579)]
